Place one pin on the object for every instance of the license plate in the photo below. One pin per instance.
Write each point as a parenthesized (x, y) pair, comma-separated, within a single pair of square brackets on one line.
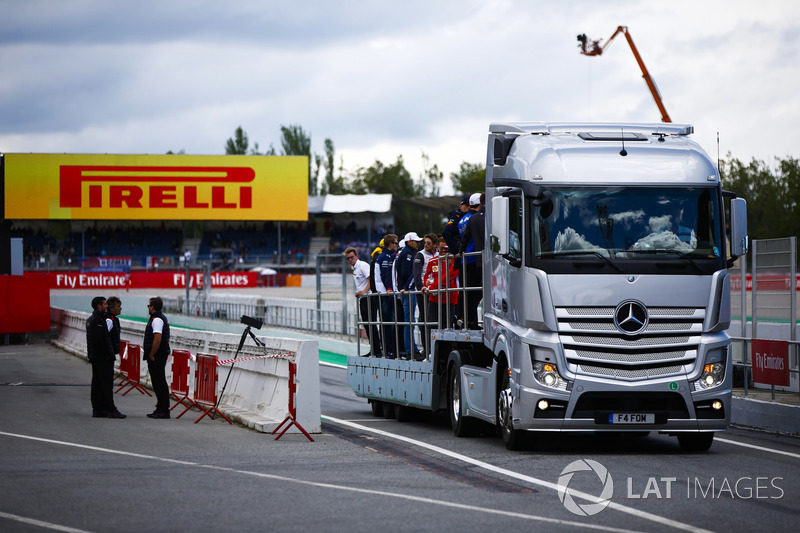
[(631, 418)]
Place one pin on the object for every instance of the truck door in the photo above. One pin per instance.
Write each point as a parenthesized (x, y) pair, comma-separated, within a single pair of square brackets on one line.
[(504, 277)]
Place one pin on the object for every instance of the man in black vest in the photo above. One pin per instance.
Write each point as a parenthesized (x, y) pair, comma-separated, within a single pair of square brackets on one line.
[(156, 352), (101, 355), (114, 310)]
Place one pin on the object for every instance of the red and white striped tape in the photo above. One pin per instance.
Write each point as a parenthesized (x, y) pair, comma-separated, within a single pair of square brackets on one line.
[(240, 359)]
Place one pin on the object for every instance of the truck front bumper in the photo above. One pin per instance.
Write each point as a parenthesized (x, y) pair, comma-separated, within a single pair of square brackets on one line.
[(670, 405)]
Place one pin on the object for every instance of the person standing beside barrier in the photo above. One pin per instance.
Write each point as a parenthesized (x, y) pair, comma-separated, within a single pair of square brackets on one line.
[(441, 284), (114, 330), (101, 355), (383, 282), (473, 240), (369, 313), (404, 268), (156, 352), (421, 260), (112, 322)]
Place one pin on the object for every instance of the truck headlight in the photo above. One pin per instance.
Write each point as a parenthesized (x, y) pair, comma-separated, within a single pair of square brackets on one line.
[(713, 375), (547, 374)]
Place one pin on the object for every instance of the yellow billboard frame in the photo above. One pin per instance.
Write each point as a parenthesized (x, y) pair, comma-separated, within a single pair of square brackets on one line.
[(155, 187)]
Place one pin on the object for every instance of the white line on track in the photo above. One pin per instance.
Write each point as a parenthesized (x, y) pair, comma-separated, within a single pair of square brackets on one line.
[(40, 523), (516, 475), (417, 499), (760, 448)]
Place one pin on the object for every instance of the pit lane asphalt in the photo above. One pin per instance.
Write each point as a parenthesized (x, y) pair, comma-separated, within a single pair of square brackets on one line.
[(63, 470)]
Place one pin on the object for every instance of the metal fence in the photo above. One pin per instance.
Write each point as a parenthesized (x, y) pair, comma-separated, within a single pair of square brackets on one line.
[(768, 302), (322, 322)]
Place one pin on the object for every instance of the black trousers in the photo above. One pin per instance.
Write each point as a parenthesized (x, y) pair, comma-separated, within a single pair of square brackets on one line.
[(158, 377), (102, 391), (474, 279), (423, 317), (369, 313)]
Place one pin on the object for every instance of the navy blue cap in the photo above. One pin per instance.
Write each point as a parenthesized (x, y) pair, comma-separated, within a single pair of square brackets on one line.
[(465, 200)]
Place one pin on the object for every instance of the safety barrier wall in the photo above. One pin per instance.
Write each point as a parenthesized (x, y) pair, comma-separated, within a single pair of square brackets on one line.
[(257, 394)]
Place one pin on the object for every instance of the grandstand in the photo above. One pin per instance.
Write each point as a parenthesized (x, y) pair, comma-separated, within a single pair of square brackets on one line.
[(60, 244)]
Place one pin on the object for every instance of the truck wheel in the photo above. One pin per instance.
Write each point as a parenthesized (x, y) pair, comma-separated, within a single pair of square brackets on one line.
[(377, 407), (402, 413), (514, 439), (388, 410), (463, 426), (696, 442)]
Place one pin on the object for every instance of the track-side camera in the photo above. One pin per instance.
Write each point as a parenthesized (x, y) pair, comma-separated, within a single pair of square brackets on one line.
[(252, 322)]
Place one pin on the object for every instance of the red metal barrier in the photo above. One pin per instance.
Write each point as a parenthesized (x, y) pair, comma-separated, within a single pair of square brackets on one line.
[(292, 418), (205, 386), (179, 389), (123, 362), (131, 373)]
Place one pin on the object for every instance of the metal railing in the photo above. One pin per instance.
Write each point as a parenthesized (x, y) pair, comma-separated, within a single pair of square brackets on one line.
[(444, 314), (318, 321), (773, 303)]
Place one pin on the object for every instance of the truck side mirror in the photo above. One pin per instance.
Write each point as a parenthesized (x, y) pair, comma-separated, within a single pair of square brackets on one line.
[(499, 235), (739, 243)]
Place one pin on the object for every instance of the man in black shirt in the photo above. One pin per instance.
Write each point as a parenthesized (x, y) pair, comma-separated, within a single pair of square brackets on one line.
[(473, 240), (156, 352), (101, 355)]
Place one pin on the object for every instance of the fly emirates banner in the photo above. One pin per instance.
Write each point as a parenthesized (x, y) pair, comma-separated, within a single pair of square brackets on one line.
[(155, 187)]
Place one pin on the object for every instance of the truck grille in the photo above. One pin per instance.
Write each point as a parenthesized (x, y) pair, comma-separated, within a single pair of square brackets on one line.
[(593, 345)]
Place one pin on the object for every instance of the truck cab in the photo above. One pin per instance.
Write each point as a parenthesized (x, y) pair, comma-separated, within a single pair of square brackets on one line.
[(606, 291)]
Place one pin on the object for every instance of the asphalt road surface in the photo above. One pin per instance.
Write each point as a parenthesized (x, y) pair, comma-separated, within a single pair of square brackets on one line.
[(62, 470)]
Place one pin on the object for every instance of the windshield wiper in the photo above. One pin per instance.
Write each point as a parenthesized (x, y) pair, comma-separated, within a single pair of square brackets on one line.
[(586, 252), (680, 254)]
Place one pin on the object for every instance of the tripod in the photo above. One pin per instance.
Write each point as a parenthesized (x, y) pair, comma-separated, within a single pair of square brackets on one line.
[(245, 333)]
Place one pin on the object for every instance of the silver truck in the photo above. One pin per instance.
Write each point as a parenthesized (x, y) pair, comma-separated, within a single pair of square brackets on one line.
[(606, 293)]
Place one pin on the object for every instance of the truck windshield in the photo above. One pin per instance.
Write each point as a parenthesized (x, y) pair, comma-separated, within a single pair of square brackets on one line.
[(625, 224)]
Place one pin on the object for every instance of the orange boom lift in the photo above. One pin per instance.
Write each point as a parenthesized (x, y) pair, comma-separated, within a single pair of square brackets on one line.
[(593, 48)]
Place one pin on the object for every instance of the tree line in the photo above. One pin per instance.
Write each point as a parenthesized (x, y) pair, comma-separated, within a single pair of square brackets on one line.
[(772, 194), (324, 177), (772, 191)]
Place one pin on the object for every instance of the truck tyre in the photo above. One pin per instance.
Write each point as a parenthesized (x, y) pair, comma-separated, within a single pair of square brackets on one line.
[(696, 442), (402, 413), (463, 426), (377, 407), (514, 439)]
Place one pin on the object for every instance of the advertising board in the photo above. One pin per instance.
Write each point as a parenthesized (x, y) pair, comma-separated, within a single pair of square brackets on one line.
[(155, 187)]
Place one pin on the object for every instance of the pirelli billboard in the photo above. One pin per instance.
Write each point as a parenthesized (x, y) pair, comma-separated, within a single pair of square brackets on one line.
[(155, 187)]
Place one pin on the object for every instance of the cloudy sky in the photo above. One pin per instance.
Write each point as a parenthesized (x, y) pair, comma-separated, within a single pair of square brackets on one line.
[(383, 79)]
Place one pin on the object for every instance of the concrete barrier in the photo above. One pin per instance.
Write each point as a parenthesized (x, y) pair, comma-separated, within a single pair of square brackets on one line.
[(257, 394)]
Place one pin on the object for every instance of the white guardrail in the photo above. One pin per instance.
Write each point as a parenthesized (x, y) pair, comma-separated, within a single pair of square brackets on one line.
[(257, 394)]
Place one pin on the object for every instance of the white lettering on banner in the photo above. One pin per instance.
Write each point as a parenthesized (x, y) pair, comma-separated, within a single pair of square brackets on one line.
[(217, 279), (765, 362), (90, 280)]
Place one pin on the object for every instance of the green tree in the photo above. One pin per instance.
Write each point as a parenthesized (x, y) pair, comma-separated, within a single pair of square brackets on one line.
[(470, 178), (772, 194), (238, 144), (394, 179), (432, 177), (317, 167), (295, 141)]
